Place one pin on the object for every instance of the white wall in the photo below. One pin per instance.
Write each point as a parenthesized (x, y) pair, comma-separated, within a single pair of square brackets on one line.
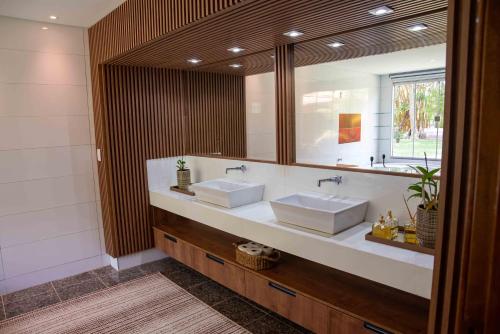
[(50, 223), (324, 91), (260, 116), (385, 119)]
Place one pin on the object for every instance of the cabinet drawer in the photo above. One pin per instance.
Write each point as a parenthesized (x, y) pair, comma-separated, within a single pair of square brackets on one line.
[(158, 236), (175, 248), (288, 303), (341, 323), (219, 270)]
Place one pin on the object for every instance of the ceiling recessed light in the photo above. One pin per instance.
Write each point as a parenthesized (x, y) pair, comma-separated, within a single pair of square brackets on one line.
[(235, 49), (293, 33), (382, 10), (417, 27), (45, 28), (335, 44), (194, 60), (235, 65), (53, 17)]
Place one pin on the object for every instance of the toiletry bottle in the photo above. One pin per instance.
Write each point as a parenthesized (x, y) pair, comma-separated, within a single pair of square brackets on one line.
[(381, 230), (411, 232), (393, 224)]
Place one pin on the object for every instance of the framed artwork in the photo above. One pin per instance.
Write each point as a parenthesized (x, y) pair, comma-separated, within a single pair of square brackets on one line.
[(349, 128)]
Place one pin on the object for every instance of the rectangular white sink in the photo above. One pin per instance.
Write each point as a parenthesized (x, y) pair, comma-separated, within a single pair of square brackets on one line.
[(319, 212), (228, 193)]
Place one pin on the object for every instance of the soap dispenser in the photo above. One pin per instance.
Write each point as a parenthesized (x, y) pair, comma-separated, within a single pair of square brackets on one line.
[(393, 224)]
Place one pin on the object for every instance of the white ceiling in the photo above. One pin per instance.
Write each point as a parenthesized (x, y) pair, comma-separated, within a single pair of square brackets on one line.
[(82, 13)]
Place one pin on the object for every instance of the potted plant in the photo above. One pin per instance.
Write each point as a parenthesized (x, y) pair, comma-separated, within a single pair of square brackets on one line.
[(183, 174), (427, 189), (397, 135)]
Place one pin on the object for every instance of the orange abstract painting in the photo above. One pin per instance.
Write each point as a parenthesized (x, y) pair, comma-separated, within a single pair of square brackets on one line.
[(349, 128)]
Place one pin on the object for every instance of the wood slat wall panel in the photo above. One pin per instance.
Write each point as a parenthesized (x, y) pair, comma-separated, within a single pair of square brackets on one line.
[(131, 25), (285, 104), (155, 113), (144, 110)]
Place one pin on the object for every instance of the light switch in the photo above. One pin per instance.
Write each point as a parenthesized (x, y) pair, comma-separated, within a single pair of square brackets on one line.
[(99, 158)]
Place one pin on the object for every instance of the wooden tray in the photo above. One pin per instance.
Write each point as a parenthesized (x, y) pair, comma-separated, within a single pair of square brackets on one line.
[(182, 191), (399, 242)]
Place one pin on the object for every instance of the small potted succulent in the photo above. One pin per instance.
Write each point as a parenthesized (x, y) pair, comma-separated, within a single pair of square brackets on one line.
[(427, 190), (183, 174)]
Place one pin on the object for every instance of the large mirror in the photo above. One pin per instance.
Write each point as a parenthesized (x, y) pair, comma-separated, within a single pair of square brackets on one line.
[(372, 99), (240, 122)]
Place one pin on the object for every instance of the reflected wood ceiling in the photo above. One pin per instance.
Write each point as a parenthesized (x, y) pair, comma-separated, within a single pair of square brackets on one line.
[(381, 39), (257, 26)]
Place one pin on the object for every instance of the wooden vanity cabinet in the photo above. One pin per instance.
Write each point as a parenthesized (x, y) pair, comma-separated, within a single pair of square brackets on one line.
[(208, 264), (321, 299)]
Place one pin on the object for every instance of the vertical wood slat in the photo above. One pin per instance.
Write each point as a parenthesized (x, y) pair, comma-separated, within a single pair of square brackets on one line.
[(135, 122), (133, 23), (285, 104), (145, 110)]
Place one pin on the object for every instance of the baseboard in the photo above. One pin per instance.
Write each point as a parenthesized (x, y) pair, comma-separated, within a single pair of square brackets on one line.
[(136, 259)]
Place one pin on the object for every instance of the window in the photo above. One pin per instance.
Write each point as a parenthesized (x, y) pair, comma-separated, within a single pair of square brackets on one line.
[(417, 115)]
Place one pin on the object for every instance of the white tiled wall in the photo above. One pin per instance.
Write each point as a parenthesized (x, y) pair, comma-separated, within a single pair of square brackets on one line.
[(260, 116), (50, 224), (322, 93)]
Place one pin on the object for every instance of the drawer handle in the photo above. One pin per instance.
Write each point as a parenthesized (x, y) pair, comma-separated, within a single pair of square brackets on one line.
[(282, 289), (168, 237), (214, 258), (374, 328)]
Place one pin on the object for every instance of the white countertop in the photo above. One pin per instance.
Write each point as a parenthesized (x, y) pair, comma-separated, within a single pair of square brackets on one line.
[(347, 251)]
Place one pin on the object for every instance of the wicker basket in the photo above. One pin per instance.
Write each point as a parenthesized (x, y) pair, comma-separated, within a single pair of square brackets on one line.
[(427, 222), (259, 262)]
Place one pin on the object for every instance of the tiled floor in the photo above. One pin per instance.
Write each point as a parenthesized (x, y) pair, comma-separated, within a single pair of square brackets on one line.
[(249, 315)]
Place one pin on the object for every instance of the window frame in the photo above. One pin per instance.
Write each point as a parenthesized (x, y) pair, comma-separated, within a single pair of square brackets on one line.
[(413, 78)]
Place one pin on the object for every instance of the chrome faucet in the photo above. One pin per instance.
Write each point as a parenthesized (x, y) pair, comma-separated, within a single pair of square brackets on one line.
[(243, 168), (336, 179)]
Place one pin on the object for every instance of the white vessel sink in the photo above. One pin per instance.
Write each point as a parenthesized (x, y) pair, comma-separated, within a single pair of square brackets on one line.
[(319, 212), (228, 193)]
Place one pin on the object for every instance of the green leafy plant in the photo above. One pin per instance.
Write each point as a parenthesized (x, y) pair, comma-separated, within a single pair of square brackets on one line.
[(181, 164), (427, 189)]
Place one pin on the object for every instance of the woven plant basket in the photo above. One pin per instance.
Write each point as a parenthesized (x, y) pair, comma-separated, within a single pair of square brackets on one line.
[(427, 221), (259, 262), (183, 179)]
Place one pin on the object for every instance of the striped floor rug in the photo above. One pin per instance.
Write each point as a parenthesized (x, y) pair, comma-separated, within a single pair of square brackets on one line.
[(152, 304)]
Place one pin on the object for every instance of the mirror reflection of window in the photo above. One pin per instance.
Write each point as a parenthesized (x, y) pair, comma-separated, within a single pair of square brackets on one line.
[(387, 106), (418, 116)]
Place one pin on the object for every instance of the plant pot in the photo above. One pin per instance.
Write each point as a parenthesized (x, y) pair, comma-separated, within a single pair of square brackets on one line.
[(183, 179), (427, 222)]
